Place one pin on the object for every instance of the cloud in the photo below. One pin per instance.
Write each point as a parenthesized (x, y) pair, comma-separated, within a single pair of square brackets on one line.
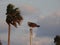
[(23, 39), (52, 18), (3, 36), (50, 25), (3, 27), (42, 41), (29, 8), (57, 13), (41, 17)]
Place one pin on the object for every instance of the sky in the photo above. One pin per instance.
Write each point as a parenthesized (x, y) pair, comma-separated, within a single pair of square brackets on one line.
[(45, 13)]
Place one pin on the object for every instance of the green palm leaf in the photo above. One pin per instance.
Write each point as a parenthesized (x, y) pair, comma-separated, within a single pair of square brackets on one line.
[(13, 15)]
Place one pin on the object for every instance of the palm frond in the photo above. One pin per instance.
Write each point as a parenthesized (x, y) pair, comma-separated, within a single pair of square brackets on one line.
[(9, 9), (13, 15)]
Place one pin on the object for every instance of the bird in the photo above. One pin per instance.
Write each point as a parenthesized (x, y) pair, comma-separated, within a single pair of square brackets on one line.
[(33, 25)]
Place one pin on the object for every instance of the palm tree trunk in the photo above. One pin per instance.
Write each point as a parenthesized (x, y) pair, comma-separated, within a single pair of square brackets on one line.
[(30, 36), (9, 34)]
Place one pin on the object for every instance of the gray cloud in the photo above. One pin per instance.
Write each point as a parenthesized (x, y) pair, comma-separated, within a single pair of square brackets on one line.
[(50, 26)]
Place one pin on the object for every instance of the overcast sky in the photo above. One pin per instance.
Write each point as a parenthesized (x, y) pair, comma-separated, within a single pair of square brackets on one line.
[(46, 13)]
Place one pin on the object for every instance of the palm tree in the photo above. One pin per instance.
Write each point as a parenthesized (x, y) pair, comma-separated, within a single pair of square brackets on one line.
[(13, 17), (32, 25), (0, 42), (57, 40)]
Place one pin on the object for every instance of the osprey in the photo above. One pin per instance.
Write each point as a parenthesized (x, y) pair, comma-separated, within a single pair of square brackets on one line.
[(31, 24)]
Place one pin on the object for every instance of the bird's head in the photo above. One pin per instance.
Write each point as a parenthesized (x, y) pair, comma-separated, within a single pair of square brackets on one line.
[(29, 22)]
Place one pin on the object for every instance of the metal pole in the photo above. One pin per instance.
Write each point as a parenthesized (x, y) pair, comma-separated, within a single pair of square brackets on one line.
[(30, 36)]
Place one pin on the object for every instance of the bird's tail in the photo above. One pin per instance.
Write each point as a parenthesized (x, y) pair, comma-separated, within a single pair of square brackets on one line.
[(38, 25)]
